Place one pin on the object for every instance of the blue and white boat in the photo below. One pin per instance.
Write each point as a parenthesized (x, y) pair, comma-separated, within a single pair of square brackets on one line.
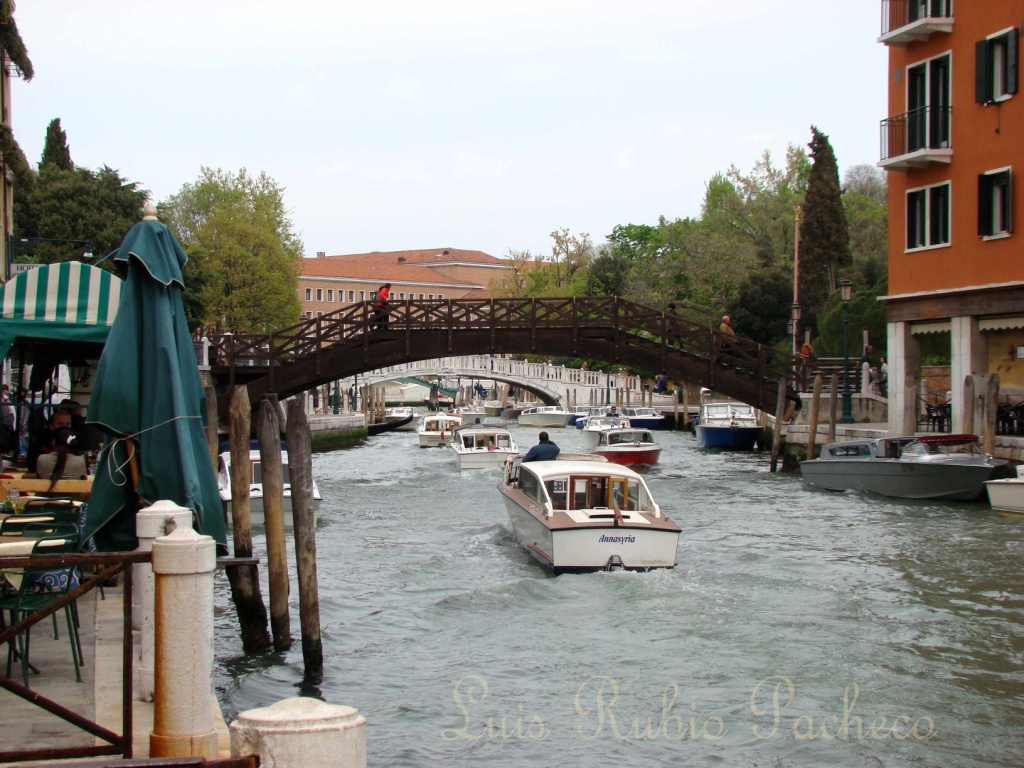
[(644, 417), (726, 424)]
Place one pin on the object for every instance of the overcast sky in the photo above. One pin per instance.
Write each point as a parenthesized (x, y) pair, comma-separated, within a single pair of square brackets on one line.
[(480, 125)]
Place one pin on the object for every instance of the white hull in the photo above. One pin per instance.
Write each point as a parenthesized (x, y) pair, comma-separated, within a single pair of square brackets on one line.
[(483, 459), (548, 420), (590, 547), (1007, 496), (256, 516)]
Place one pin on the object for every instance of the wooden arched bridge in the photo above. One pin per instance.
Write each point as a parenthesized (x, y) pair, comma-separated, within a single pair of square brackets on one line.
[(354, 340)]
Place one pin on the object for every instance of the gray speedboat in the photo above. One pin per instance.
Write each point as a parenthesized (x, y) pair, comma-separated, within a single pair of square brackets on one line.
[(923, 467)]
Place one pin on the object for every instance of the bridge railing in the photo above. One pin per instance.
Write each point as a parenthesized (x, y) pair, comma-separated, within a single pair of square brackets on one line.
[(625, 321)]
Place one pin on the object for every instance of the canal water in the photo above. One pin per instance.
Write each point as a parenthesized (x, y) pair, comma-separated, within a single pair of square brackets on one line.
[(799, 628)]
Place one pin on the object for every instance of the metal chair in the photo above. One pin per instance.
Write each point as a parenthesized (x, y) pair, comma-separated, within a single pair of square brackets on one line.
[(39, 588)]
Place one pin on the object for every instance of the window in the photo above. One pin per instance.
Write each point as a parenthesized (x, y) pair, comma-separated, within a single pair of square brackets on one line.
[(421, 296), (922, 9), (928, 106), (440, 295), (351, 296), (928, 216), (330, 294), (319, 294), (430, 296), (309, 294), (362, 295), (402, 295), (994, 203), (319, 314), (995, 67)]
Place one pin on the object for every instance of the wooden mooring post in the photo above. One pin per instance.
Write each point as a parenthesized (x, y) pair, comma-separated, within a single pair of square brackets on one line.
[(273, 515), (300, 468), (988, 440), (211, 425), (968, 405), (812, 427), (245, 585), (780, 414)]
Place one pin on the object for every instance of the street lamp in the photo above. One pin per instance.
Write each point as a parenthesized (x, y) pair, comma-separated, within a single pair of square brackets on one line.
[(846, 291)]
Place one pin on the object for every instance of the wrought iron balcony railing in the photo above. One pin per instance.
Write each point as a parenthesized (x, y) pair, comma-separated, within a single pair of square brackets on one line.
[(917, 138), (907, 21)]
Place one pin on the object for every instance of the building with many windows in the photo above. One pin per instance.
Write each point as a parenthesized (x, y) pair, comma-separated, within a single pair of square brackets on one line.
[(328, 283), (953, 145)]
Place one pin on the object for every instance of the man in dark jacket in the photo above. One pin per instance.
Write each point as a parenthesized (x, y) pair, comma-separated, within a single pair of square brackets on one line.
[(545, 450)]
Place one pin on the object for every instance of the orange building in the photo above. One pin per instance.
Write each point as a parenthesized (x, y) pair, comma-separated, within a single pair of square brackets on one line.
[(328, 283), (954, 148)]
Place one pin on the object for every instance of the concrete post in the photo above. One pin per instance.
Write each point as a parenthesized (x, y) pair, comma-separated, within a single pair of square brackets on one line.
[(904, 379), (297, 733), (968, 357), (183, 716), (161, 518)]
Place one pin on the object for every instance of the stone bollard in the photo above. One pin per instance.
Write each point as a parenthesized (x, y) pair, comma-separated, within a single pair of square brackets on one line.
[(297, 733), (157, 520), (183, 714)]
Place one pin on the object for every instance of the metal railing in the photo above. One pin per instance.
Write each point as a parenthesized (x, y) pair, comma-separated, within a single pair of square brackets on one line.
[(900, 13), (921, 128)]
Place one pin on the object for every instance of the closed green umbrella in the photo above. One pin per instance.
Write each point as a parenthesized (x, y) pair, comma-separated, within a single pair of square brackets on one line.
[(149, 400)]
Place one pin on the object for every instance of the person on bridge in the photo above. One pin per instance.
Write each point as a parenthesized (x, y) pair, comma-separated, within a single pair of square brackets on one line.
[(545, 450), (728, 335), (383, 307)]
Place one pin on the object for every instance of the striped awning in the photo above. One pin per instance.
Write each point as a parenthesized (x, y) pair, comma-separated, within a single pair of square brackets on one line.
[(63, 302), (1001, 323), (934, 326)]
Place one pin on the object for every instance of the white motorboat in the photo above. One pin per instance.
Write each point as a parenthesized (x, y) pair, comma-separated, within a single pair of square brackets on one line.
[(1007, 495), (923, 467), (256, 516), (644, 417), (726, 424), (434, 429), (477, 446), (544, 416), (595, 425), (398, 414), (582, 513)]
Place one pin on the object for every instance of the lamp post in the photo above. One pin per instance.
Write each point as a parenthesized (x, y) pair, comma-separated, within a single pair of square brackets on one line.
[(608, 386), (795, 314), (846, 291)]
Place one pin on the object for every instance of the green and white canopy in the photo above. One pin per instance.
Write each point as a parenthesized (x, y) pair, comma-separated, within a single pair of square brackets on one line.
[(69, 302)]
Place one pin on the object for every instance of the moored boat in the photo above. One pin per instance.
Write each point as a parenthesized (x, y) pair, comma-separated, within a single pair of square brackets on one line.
[(924, 467), (434, 429), (583, 513), (1007, 495), (256, 515), (629, 446), (479, 446), (726, 424), (544, 416)]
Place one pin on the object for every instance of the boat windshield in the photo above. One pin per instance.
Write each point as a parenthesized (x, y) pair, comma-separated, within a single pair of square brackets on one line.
[(935, 449), (257, 473), (597, 492)]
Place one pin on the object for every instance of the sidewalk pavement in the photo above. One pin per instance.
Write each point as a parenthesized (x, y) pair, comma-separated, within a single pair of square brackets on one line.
[(97, 697)]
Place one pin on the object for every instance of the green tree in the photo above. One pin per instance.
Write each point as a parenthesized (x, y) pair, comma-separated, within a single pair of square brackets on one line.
[(607, 273), (865, 312), (635, 241), (56, 152), (513, 282), (243, 253), (865, 199), (762, 306), (824, 234), (81, 207)]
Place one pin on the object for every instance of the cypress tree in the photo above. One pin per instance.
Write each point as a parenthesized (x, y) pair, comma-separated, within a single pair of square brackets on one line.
[(55, 150), (824, 233)]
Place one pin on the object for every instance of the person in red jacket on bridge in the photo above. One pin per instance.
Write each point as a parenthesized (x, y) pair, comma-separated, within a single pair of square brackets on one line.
[(383, 308)]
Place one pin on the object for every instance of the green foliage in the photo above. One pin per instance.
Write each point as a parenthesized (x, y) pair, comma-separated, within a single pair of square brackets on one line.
[(56, 152), (607, 273), (865, 311), (13, 45), (635, 241), (244, 256), (762, 306), (95, 209), (867, 213), (12, 156), (514, 281), (824, 234)]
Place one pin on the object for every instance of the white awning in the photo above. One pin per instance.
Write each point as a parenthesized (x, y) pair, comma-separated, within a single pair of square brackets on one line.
[(1001, 323), (934, 326)]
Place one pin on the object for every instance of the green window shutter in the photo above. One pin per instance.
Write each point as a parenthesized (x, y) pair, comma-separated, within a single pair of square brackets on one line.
[(984, 205), (1011, 61), (982, 78), (1009, 201)]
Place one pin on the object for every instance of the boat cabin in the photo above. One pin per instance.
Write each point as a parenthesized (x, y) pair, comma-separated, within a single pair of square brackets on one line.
[(625, 437), (483, 439), (587, 490)]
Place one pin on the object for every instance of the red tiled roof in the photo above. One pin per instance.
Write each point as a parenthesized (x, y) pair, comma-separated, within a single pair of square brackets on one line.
[(395, 266)]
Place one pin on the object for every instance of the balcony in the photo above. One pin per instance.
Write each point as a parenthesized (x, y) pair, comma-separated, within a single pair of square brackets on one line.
[(910, 21), (916, 139)]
